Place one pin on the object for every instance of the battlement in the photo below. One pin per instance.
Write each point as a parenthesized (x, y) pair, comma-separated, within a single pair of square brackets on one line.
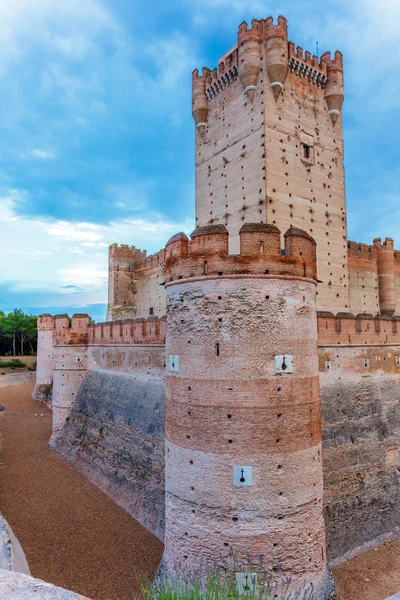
[(65, 334), (359, 330), (152, 261), (123, 251), (361, 251), (206, 254), (45, 321), (130, 331), (262, 29), (333, 64), (307, 66), (388, 243)]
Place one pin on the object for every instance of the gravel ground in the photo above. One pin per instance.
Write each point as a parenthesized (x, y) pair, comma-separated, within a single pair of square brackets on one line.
[(72, 534), (374, 575)]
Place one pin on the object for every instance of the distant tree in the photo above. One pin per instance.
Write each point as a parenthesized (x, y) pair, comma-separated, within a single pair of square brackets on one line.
[(17, 327)]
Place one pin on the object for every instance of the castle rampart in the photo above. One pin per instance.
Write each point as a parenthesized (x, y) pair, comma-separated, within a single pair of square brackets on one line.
[(360, 330)]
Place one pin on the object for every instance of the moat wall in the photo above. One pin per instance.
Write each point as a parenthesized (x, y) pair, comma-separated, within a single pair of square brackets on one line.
[(360, 402), (114, 435)]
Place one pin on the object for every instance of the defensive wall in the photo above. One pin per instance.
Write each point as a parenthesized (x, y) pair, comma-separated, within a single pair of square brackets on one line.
[(114, 385), (373, 281)]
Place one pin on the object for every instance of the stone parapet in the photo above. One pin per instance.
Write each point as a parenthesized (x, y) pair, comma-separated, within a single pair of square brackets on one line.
[(356, 330), (131, 331), (206, 254)]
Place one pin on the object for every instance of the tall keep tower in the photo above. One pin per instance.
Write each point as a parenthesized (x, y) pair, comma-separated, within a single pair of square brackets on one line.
[(243, 425), (269, 146)]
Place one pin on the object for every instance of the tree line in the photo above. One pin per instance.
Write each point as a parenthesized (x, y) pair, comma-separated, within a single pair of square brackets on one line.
[(18, 333)]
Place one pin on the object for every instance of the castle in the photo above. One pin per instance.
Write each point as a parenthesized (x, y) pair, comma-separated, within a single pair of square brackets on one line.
[(269, 340)]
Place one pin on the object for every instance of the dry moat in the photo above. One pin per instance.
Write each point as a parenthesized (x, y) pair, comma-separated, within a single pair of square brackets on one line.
[(72, 534)]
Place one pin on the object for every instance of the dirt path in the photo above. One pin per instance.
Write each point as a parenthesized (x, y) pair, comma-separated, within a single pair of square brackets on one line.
[(374, 575), (72, 534)]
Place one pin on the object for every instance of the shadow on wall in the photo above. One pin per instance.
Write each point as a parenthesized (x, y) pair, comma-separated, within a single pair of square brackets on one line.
[(114, 435)]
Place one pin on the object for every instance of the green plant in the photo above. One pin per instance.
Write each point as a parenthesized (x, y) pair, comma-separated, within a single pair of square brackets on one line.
[(226, 578), (14, 362)]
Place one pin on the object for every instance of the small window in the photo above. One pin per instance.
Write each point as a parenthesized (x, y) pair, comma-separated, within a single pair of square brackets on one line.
[(151, 311), (306, 152)]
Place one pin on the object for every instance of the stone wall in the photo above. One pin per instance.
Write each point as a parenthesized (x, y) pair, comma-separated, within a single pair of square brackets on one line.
[(17, 378), (114, 435), (360, 400)]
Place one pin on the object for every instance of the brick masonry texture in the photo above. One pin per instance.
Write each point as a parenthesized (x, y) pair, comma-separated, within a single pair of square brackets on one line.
[(115, 436)]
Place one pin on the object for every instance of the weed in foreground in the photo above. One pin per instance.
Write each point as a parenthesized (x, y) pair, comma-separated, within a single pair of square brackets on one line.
[(226, 578)]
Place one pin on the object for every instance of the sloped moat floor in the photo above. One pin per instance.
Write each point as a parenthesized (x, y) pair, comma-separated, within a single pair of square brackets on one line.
[(374, 575), (72, 534)]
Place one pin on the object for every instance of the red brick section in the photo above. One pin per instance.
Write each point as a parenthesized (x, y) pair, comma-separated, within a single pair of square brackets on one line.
[(226, 407), (63, 334), (334, 91), (130, 331), (385, 261), (362, 330), (207, 253)]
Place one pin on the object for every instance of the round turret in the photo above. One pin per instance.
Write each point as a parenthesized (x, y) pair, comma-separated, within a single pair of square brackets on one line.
[(199, 98), (249, 54), (386, 278), (243, 424), (277, 58), (44, 369), (334, 90)]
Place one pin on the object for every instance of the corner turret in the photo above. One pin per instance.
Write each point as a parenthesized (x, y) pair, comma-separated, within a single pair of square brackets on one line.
[(44, 368), (199, 98), (386, 280), (277, 56), (334, 90), (249, 52)]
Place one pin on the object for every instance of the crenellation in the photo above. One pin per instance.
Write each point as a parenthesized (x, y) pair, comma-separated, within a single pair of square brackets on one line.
[(129, 332), (206, 254), (360, 330)]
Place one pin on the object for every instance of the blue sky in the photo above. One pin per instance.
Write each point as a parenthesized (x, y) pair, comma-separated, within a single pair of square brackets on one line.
[(97, 138)]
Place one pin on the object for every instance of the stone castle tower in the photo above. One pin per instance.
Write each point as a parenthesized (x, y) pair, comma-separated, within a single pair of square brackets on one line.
[(243, 425), (269, 147)]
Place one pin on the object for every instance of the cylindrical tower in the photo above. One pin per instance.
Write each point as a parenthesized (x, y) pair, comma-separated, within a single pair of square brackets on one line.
[(70, 364), (199, 98), (44, 362), (249, 56), (276, 56), (386, 280), (243, 425), (334, 89)]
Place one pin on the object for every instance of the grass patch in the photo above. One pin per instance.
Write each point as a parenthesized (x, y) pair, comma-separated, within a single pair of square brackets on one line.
[(13, 363), (225, 579)]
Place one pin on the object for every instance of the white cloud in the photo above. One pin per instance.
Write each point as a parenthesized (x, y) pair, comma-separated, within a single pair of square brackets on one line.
[(42, 259), (68, 231), (43, 154)]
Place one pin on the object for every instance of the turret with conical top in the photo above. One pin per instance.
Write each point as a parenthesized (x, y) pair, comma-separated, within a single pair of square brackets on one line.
[(334, 90), (249, 56), (276, 39)]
